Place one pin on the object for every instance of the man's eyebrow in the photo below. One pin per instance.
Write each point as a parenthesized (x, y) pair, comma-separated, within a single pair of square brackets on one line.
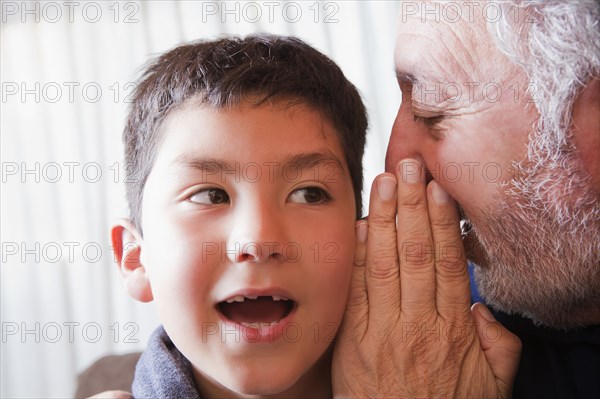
[(417, 79), (298, 161), (404, 77)]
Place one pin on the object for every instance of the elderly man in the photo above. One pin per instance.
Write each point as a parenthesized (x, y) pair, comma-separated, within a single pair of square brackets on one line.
[(501, 106)]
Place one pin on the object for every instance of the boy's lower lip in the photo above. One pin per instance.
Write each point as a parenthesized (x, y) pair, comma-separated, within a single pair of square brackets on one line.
[(266, 334)]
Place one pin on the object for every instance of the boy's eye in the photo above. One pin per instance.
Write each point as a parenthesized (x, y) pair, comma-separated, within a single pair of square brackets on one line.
[(310, 195), (210, 196)]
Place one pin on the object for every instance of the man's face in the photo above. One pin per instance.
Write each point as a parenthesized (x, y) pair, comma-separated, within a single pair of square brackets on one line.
[(464, 108), (248, 219), (468, 114)]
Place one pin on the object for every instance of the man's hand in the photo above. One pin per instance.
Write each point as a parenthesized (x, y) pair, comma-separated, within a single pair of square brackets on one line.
[(408, 330)]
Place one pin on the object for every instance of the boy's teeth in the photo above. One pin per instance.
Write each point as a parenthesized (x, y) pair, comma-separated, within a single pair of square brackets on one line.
[(241, 298), (237, 298)]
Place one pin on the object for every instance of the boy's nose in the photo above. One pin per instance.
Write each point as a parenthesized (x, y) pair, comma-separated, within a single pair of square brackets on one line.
[(257, 236)]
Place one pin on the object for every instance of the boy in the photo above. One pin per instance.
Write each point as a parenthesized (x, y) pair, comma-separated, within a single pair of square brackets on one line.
[(245, 184)]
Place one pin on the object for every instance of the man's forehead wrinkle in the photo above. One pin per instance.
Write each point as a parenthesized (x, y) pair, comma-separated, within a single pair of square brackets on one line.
[(461, 44), (439, 56), (465, 59), (411, 62), (478, 53), (429, 41)]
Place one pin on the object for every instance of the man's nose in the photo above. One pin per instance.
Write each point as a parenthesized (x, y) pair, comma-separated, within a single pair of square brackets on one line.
[(257, 234), (406, 140)]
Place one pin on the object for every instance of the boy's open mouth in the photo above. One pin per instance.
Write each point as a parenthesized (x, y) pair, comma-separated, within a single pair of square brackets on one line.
[(256, 311)]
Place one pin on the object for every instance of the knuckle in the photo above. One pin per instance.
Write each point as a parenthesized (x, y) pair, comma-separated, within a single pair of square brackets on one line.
[(417, 251), (420, 308), (382, 220), (415, 201), (517, 343), (383, 250), (450, 258), (384, 269), (360, 255), (455, 309), (452, 272), (416, 261), (357, 301), (359, 262), (445, 225)]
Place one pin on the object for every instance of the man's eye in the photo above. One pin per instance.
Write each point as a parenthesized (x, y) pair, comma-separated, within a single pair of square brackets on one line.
[(210, 196), (310, 195), (429, 121)]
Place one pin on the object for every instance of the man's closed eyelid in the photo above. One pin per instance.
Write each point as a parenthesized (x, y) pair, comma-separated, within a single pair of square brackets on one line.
[(432, 125), (429, 120)]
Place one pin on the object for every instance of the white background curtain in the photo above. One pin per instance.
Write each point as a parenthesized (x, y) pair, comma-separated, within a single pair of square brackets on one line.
[(66, 72)]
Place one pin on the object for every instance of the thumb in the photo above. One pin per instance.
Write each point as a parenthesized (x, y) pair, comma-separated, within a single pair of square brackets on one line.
[(501, 347)]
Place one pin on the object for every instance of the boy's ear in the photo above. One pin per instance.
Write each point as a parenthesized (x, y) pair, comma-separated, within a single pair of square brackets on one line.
[(127, 246)]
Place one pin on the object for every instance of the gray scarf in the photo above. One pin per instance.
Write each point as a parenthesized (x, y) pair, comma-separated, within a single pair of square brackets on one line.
[(163, 372)]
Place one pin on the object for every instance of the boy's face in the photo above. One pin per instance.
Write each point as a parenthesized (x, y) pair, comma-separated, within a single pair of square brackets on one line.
[(250, 204)]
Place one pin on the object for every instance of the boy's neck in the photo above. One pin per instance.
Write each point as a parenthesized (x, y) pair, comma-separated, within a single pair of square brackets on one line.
[(316, 383)]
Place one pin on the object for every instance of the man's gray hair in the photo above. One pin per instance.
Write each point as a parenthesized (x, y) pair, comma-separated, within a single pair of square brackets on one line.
[(557, 43), (550, 227)]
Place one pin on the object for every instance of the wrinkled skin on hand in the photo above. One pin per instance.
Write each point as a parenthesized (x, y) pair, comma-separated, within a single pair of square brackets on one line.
[(409, 330)]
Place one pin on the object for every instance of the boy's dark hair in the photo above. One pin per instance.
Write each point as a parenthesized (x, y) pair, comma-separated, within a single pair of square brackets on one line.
[(225, 72)]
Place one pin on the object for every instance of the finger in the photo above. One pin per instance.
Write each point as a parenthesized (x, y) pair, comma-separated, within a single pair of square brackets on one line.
[(452, 279), (415, 245), (502, 348), (357, 308), (382, 255)]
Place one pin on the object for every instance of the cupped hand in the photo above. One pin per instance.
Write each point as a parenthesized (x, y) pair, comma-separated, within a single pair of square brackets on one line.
[(409, 330)]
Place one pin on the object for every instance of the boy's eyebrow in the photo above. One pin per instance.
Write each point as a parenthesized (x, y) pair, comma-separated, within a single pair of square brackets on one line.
[(299, 161), (312, 159)]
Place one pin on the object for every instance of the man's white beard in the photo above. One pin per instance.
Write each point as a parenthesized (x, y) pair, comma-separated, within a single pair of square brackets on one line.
[(542, 244)]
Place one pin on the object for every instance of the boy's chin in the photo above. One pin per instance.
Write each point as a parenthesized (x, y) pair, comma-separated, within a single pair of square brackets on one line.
[(264, 386), (260, 381)]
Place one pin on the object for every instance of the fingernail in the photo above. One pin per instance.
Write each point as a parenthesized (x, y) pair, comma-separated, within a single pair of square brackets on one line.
[(410, 170), (361, 231), (439, 194), (485, 312), (386, 187)]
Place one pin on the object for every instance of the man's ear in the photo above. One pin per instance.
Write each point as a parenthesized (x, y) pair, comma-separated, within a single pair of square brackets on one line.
[(127, 246)]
